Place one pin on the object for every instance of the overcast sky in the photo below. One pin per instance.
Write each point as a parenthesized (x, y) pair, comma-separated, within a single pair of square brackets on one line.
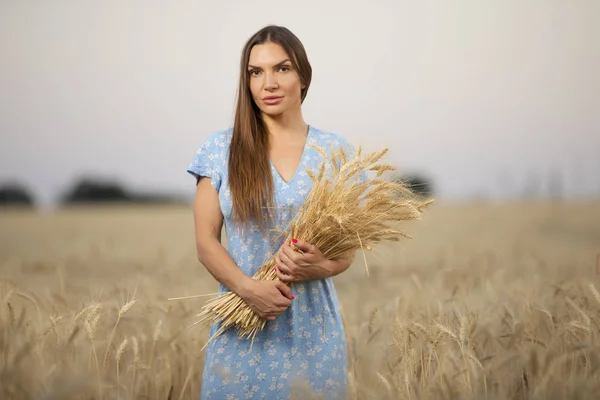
[(483, 96)]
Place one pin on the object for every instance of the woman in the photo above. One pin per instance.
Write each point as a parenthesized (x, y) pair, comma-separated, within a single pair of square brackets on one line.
[(253, 178)]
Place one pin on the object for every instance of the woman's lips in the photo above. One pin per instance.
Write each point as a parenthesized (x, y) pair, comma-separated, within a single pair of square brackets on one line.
[(270, 100)]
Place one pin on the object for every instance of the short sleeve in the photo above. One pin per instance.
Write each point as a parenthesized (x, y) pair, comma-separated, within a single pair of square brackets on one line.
[(206, 162)]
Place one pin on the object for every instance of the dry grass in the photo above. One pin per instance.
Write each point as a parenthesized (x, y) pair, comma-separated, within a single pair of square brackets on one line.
[(497, 302)]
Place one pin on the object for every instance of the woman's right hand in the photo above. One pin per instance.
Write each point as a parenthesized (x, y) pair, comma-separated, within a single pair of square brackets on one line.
[(268, 298)]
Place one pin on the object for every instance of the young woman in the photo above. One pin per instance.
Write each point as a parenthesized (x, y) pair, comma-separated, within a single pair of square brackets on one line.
[(252, 177)]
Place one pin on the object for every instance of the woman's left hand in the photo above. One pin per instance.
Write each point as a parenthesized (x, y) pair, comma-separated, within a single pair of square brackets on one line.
[(309, 265)]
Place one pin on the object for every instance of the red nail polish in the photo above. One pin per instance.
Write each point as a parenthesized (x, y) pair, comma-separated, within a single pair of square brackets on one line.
[(275, 268), (294, 241), (293, 297)]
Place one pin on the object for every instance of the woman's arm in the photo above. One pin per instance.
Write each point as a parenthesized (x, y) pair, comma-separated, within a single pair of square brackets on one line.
[(266, 298), (208, 224), (341, 264)]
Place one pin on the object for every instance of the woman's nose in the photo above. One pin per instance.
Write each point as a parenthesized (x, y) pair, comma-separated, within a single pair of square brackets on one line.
[(270, 81)]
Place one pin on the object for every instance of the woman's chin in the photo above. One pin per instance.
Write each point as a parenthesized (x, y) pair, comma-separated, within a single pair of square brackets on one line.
[(273, 111)]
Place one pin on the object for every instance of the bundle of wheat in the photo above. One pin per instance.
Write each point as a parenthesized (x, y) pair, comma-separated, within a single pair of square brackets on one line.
[(344, 212)]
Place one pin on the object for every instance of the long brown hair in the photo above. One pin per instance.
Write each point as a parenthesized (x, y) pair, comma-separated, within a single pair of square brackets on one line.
[(250, 178)]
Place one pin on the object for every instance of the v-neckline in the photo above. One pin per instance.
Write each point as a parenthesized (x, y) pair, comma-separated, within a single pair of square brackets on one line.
[(276, 172)]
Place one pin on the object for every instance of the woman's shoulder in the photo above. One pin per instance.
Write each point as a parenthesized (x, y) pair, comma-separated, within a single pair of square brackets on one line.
[(218, 139), (328, 139), (216, 144), (214, 148)]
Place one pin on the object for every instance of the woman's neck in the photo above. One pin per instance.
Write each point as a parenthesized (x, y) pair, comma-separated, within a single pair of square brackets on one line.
[(286, 124)]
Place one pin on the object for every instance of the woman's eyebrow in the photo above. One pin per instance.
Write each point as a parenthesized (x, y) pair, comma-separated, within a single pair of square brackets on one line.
[(276, 65)]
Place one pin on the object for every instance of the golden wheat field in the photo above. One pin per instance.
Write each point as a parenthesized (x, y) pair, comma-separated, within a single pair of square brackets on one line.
[(486, 302)]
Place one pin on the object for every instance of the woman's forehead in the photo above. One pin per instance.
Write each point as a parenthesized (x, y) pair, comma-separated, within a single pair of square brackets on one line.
[(268, 54)]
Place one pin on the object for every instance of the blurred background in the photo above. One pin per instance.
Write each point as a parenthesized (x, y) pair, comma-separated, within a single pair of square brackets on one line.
[(480, 101), (490, 107)]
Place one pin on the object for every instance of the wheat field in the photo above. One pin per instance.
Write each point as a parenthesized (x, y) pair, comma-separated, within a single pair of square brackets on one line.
[(486, 302)]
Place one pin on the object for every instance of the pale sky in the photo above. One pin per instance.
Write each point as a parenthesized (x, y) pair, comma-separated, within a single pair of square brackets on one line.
[(483, 96)]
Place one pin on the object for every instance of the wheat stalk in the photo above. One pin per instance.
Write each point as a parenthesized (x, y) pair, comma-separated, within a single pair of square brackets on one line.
[(91, 326), (344, 212), (122, 312), (118, 355)]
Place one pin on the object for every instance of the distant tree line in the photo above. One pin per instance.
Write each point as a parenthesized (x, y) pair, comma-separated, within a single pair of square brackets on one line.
[(96, 191), (86, 191), (90, 190), (16, 194)]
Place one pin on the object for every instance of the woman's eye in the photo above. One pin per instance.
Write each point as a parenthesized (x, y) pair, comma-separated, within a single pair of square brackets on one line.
[(285, 69), (254, 72)]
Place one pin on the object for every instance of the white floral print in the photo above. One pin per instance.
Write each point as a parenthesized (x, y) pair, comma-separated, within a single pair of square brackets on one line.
[(307, 341)]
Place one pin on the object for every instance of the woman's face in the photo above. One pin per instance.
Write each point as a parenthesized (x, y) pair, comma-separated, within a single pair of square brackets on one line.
[(274, 84)]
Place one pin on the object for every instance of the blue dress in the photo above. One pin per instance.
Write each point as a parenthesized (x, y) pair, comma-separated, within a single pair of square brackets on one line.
[(306, 344)]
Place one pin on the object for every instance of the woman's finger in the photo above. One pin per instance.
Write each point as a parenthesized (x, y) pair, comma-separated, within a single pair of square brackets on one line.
[(276, 311), (304, 246), (284, 269), (283, 277), (286, 265), (281, 265), (282, 309), (289, 252), (277, 258)]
